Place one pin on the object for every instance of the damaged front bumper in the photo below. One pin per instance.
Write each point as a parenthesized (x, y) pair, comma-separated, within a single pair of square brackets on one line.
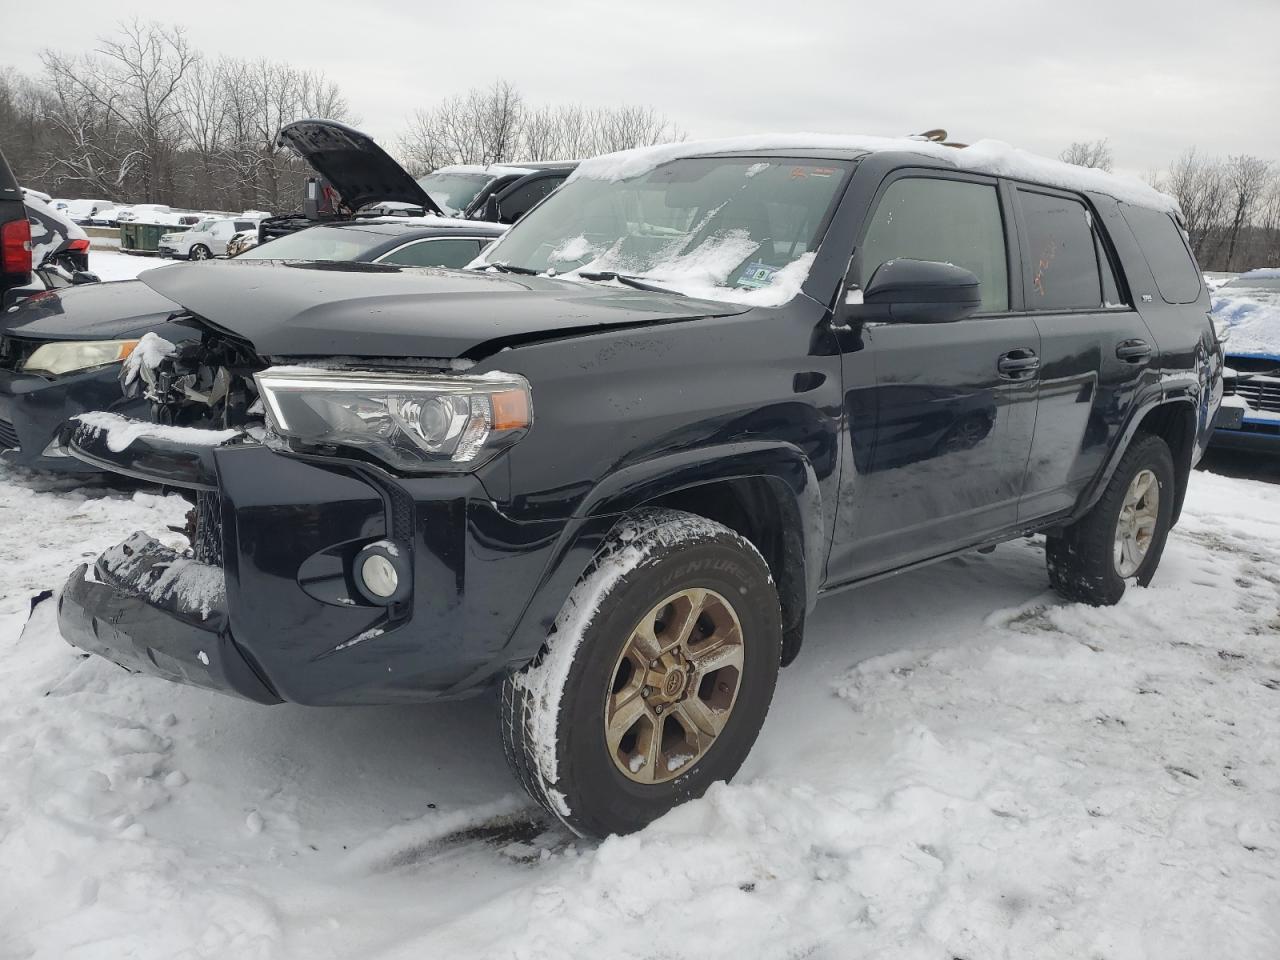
[(152, 610), (285, 534)]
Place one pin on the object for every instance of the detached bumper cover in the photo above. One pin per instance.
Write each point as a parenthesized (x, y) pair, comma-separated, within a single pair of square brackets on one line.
[(154, 611)]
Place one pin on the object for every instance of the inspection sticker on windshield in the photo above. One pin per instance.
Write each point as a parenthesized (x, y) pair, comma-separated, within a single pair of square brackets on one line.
[(757, 275)]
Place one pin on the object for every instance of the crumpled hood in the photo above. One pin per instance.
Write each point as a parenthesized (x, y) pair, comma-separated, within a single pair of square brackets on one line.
[(307, 309), (93, 311)]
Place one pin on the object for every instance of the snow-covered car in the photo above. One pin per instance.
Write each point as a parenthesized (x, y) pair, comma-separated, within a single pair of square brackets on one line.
[(143, 212), (205, 240), (83, 211), (55, 238), (112, 216), (1247, 309)]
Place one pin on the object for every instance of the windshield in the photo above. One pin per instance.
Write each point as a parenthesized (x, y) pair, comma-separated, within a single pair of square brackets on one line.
[(318, 243), (453, 191), (741, 229)]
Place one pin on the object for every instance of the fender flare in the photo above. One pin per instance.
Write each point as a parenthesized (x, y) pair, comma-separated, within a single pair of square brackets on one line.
[(638, 484), (1152, 401)]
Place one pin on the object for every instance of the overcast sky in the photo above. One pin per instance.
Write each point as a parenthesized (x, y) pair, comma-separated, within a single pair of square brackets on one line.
[(1155, 76)]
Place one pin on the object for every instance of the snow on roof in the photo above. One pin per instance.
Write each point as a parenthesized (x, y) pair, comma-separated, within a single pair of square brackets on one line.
[(986, 156)]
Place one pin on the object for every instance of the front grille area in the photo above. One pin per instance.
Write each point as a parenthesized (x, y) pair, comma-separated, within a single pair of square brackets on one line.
[(8, 436), (1260, 394), (207, 541)]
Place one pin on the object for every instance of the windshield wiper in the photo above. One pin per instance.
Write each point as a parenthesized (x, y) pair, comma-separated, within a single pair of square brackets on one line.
[(624, 278), (509, 268)]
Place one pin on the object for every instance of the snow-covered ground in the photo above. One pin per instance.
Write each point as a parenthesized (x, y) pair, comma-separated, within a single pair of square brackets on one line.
[(111, 264), (959, 765)]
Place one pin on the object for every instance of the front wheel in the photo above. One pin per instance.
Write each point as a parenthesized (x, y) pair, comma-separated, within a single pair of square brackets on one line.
[(200, 252), (655, 680), (1122, 537)]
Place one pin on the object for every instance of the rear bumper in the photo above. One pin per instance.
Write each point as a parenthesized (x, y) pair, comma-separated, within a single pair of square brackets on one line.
[(287, 532)]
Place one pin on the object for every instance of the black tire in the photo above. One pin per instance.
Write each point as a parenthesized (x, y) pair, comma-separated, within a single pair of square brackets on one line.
[(553, 710), (1081, 558), (199, 252)]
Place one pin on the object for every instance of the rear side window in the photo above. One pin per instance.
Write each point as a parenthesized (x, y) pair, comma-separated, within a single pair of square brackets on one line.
[(1177, 276), (952, 221), (1065, 262)]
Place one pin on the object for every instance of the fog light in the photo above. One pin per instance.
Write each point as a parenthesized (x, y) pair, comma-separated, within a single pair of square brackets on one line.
[(379, 576)]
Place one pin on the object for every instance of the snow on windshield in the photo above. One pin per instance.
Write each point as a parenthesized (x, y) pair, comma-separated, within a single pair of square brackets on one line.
[(735, 229)]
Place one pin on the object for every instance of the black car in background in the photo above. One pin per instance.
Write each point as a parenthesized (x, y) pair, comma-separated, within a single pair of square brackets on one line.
[(363, 177), (61, 351), (697, 389)]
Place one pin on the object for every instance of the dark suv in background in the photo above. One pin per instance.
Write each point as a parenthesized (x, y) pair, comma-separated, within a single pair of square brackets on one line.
[(612, 470)]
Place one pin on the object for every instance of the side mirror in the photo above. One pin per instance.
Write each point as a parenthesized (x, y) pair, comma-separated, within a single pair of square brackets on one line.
[(918, 291)]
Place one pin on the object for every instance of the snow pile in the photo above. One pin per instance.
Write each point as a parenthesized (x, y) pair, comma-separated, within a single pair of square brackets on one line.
[(958, 765), (122, 431), (150, 352), (986, 156), (1252, 317)]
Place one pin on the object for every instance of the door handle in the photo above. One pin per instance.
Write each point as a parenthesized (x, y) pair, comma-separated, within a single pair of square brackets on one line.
[(1133, 351), (1018, 364)]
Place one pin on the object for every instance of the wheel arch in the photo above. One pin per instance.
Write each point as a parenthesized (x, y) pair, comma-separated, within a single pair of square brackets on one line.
[(765, 491), (1174, 421)]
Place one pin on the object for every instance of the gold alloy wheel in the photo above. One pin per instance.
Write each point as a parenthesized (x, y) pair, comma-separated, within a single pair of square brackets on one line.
[(674, 686), (1136, 526)]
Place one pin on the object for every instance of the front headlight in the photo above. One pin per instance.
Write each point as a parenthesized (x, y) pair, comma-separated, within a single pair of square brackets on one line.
[(59, 358), (425, 422)]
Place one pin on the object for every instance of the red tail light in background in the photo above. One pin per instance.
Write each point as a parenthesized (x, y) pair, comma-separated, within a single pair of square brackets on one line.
[(15, 246), (78, 246)]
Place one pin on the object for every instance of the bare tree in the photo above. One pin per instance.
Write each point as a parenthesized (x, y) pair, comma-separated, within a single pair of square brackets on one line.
[(1198, 184), (1246, 180), (122, 101), (1092, 153)]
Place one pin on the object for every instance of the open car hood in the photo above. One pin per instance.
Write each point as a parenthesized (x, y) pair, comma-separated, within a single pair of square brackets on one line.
[(360, 170), (376, 310)]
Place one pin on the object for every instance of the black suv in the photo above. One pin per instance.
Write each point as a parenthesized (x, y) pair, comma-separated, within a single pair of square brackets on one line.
[(693, 391)]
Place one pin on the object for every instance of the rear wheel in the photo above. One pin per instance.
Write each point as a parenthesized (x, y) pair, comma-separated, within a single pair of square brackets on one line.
[(1123, 536), (655, 680)]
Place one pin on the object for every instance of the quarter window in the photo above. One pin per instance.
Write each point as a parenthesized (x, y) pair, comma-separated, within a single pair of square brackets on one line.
[(1063, 255), (1172, 265), (952, 221)]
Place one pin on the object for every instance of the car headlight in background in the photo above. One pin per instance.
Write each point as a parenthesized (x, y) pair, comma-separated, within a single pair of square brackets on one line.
[(412, 422), (73, 355)]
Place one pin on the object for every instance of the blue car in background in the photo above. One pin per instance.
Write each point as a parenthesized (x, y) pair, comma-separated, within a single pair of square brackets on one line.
[(1248, 309)]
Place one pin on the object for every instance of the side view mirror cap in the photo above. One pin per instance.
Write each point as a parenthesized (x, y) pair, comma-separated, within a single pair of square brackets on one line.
[(918, 291)]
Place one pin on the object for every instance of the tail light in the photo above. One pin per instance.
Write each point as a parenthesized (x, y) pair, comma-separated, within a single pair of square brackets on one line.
[(15, 246), (78, 246)]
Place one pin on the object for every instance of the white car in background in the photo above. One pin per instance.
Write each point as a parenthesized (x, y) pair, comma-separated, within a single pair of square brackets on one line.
[(144, 212), (204, 240)]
